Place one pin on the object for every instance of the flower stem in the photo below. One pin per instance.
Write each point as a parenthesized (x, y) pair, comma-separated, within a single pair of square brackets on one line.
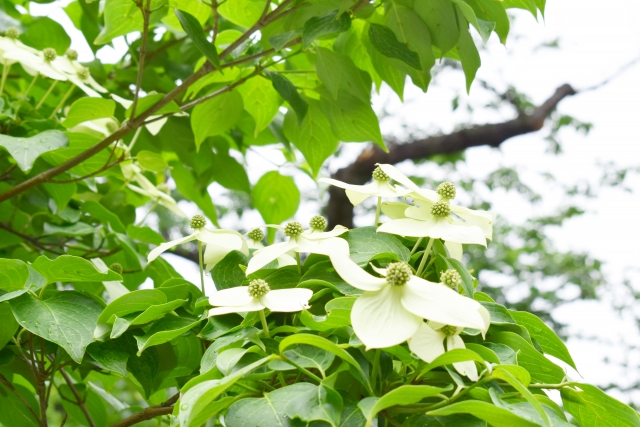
[(378, 210), (299, 263), (415, 247), (46, 95), (133, 140), (147, 214), (200, 264), (376, 368), (425, 255), (301, 369), (265, 326), (62, 101), (5, 73), (33, 82)]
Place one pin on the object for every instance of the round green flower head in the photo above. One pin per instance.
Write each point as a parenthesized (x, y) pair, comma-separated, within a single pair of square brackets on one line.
[(379, 175), (163, 187), (446, 190), (256, 234), (293, 229), (258, 288), (441, 209), (12, 33), (318, 223), (398, 273), (117, 267), (49, 54), (83, 73), (451, 278), (449, 330), (198, 221), (72, 54)]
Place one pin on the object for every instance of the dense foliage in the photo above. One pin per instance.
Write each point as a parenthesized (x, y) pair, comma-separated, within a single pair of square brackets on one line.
[(334, 338)]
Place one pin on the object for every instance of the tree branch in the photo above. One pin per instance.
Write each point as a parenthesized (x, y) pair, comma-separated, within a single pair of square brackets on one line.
[(340, 210), (79, 400), (149, 413), (143, 51)]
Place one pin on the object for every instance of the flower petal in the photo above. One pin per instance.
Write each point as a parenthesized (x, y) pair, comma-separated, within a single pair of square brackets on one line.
[(395, 210), (168, 245), (338, 251), (401, 178), (337, 231), (254, 305), (454, 249), (220, 243), (482, 219), (231, 297), (264, 256), (466, 368), (439, 303), (380, 320), (437, 228), (286, 260), (287, 300), (427, 343)]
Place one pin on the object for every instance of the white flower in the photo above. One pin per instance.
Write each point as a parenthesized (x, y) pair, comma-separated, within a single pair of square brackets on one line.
[(379, 187), (10, 44), (254, 241), (258, 296), (428, 343), (33, 62), (78, 75), (133, 173), (393, 307), (300, 240)]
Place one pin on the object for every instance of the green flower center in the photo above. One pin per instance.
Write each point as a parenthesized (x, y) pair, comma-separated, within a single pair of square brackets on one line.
[(116, 267), (12, 33), (398, 273), (293, 229), (451, 278), (49, 54), (256, 234), (318, 223), (163, 187), (449, 330), (441, 209), (198, 221), (83, 73), (379, 175), (258, 288), (446, 190), (72, 54)]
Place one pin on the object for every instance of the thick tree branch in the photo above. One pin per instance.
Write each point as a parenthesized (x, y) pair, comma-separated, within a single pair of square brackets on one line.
[(340, 210), (149, 413)]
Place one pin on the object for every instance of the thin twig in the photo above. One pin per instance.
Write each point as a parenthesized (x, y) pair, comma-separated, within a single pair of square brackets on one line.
[(214, 16), (148, 413), (143, 51)]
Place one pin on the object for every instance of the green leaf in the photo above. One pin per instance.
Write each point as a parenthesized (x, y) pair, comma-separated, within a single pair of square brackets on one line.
[(499, 313), (320, 25), (229, 173), (338, 315), (192, 27), (366, 244), (469, 56), (306, 356), (13, 275), (493, 12), (103, 214), (132, 302), (403, 395), (484, 28), (8, 322), (148, 101), (392, 71), (542, 370), (288, 91), (78, 143), (120, 17), (242, 12), (504, 373), (493, 415), (188, 186), (216, 115), (121, 324), (324, 274), (440, 17), (77, 229), (384, 41), (67, 319), (68, 268), (45, 32), (227, 273), (467, 279), (338, 73), (85, 109), (505, 353), (529, 5), (276, 197), (164, 330), (313, 137), (144, 234), (18, 415), (591, 407), (452, 356), (61, 193), (25, 151), (549, 342), (261, 101), (151, 161), (484, 352)]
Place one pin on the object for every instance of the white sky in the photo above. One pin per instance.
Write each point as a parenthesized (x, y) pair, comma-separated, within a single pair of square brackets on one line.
[(596, 39)]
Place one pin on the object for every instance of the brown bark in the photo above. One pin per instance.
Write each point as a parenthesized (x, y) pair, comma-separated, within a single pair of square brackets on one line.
[(340, 211)]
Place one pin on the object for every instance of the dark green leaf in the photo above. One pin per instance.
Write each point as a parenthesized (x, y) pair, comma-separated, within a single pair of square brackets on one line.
[(288, 91), (499, 313), (276, 197), (591, 407), (467, 279), (165, 330), (321, 25), (403, 395), (68, 268), (86, 109), (384, 41), (192, 27), (366, 244), (227, 273), (493, 415)]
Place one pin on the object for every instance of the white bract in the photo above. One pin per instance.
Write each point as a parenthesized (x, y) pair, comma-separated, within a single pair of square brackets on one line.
[(428, 343), (393, 307), (78, 74), (258, 296), (379, 187), (299, 240), (254, 241), (133, 173), (33, 62)]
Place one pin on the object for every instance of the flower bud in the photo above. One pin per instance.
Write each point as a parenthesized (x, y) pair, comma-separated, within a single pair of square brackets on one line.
[(258, 288), (398, 273), (162, 187), (441, 209), (83, 73), (293, 229), (379, 175), (451, 278), (449, 330), (72, 54), (318, 223), (446, 190), (49, 54), (198, 221), (256, 234), (116, 267), (12, 33)]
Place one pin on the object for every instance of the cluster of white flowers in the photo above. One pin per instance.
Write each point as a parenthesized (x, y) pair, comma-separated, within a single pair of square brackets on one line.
[(46, 63), (396, 306)]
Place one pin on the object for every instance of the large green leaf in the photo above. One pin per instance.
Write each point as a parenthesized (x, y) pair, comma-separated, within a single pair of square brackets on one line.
[(8, 322), (61, 193), (440, 17), (261, 101), (67, 319), (192, 27), (338, 73), (165, 330), (227, 273), (216, 115), (450, 357), (366, 244), (591, 407), (493, 415), (385, 41), (121, 324), (306, 356), (13, 275), (242, 12), (493, 12), (68, 268), (276, 197), (120, 17), (499, 313), (25, 151), (520, 384), (332, 22), (85, 109), (403, 395), (468, 52), (45, 32)]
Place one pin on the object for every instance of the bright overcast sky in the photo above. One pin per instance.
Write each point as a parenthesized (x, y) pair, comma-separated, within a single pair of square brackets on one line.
[(596, 39)]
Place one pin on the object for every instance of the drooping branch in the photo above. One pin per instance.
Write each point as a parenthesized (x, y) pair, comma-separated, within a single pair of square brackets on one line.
[(340, 211), (148, 413)]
